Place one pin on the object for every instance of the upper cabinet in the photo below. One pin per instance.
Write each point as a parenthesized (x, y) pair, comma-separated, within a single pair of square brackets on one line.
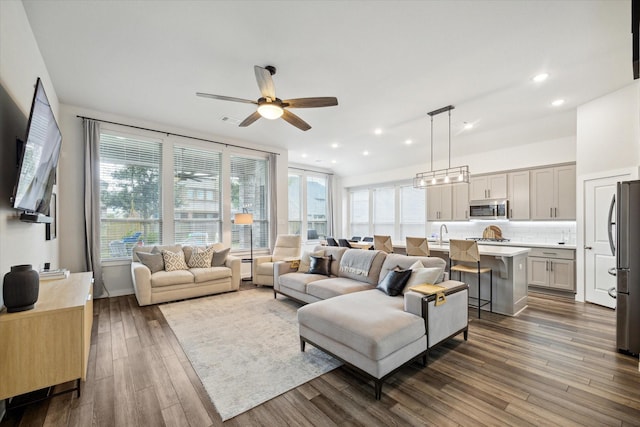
[(460, 196), (439, 203), (488, 187), (518, 195), (553, 193)]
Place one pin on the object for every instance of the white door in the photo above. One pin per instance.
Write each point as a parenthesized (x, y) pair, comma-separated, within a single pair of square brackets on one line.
[(598, 258)]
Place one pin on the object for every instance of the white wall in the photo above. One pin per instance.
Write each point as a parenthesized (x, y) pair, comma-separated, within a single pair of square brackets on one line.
[(116, 274), (20, 65), (608, 136)]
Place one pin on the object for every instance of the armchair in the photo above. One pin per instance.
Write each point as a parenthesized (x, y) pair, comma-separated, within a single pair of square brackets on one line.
[(287, 246)]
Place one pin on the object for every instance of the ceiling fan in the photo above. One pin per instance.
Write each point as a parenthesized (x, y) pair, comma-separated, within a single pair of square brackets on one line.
[(271, 107)]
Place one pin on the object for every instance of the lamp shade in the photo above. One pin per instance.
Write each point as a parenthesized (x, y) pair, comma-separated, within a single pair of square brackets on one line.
[(243, 218)]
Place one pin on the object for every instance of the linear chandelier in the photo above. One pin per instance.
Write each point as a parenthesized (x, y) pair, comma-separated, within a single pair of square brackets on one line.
[(451, 175)]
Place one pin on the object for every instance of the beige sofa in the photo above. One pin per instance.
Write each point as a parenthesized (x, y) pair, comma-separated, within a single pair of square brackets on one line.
[(163, 286), (372, 332)]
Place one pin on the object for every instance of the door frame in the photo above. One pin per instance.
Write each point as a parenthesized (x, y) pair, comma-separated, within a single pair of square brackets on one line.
[(634, 173)]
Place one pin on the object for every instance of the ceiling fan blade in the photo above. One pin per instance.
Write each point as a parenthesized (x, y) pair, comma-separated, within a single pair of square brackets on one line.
[(225, 98), (265, 82), (324, 101), (295, 120), (252, 118)]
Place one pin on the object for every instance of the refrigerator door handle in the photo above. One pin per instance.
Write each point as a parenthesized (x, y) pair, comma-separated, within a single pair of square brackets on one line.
[(610, 225)]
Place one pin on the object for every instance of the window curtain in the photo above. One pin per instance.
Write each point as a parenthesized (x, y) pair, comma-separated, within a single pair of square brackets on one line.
[(92, 202), (330, 213), (273, 200)]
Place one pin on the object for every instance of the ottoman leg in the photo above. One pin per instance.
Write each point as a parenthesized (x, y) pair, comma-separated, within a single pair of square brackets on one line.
[(302, 344), (378, 387)]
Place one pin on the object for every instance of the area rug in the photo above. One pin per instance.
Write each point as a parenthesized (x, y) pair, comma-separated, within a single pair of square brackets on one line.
[(245, 347)]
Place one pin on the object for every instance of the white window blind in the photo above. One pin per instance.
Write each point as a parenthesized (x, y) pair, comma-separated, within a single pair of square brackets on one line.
[(316, 207), (197, 201), (360, 212), (130, 194), (412, 212), (249, 191), (384, 211), (295, 203)]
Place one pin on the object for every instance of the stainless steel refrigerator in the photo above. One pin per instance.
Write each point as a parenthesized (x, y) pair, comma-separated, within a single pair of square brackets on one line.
[(626, 248)]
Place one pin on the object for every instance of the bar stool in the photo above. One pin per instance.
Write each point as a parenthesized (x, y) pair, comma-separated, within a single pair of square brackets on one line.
[(417, 246), (383, 243), (467, 251)]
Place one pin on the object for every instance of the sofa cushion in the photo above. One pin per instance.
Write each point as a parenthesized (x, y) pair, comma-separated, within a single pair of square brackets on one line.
[(298, 281), (320, 265), (335, 286), (336, 253), (403, 261), (220, 257), (421, 275), (394, 282), (305, 260), (210, 273), (154, 250), (354, 257), (200, 258), (348, 320), (168, 278), (264, 269), (154, 262)]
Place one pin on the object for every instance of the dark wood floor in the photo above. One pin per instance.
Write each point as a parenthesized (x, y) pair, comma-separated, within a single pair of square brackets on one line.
[(555, 364)]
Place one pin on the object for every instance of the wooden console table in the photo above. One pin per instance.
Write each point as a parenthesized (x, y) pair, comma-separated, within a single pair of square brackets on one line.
[(48, 345)]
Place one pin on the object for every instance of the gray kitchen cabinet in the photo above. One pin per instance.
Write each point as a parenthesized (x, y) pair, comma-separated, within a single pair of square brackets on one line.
[(551, 269), (439, 203), (553, 193), (488, 187), (518, 195), (460, 197)]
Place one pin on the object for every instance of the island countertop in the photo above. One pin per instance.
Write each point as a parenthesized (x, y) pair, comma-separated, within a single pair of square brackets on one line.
[(501, 251)]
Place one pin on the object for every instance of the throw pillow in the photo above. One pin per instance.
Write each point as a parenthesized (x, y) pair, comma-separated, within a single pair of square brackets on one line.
[(420, 276), (394, 282), (174, 260), (153, 261), (305, 260), (200, 258), (319, 265), (220, 257)]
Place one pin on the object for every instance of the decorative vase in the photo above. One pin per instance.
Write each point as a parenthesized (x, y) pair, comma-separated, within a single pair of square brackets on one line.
[(20, 288)]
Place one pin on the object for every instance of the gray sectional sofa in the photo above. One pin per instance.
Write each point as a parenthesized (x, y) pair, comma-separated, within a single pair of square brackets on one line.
[(372, 332)]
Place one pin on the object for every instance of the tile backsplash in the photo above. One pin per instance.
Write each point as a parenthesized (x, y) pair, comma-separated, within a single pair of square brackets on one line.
[(516, 231)]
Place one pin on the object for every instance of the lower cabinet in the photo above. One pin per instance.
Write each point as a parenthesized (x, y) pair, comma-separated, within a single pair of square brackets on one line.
[(552, 269)]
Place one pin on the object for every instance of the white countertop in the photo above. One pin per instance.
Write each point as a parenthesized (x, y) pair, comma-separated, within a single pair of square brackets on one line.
[(490, 250), (521, 244)]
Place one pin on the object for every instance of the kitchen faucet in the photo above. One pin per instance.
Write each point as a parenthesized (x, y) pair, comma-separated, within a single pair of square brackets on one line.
[(445, 229)]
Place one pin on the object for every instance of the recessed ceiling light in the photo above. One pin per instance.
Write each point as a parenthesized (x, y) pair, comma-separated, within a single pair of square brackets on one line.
[(334, 162), (365, 153), (334, 145), (557, 102), (408, 142), (304, 156), (378, 131), (468, 125), (541, 77)]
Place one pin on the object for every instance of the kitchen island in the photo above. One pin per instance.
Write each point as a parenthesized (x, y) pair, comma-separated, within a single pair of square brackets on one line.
[(509, 266)]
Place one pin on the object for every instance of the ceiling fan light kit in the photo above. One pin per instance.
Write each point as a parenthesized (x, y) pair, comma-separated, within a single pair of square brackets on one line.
[(271, 107), (451, 175)]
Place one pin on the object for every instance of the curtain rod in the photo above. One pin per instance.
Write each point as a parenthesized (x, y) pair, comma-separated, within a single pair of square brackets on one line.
[(309, 170), (178, 134)]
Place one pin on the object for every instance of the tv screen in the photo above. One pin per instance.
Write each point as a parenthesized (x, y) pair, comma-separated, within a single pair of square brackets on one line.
[(39, 160)]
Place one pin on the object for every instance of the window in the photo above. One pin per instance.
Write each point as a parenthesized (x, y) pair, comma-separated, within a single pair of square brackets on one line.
[(308, 204), (412, 212), (360, 213), (295, 203), (249, 189), (130, 189), (196, 194), (384, 211)]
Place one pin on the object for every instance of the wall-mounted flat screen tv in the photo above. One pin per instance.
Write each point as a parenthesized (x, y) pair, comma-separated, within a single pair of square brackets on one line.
[(39, 160)]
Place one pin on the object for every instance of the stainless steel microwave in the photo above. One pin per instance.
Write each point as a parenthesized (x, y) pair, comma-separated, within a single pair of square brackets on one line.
[(488, 209)]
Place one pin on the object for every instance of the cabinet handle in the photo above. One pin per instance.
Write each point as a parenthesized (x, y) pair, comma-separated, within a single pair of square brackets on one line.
[(489, 192), (510, 213), (555, 212), (546, 266), (466, 214), (550, 212), (551, 265), (588, 248)]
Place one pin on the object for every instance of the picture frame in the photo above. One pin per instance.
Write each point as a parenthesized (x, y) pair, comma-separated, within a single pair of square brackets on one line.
[(51, 229)]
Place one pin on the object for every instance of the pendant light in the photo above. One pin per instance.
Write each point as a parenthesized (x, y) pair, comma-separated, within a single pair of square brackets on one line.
[(451, 175)]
